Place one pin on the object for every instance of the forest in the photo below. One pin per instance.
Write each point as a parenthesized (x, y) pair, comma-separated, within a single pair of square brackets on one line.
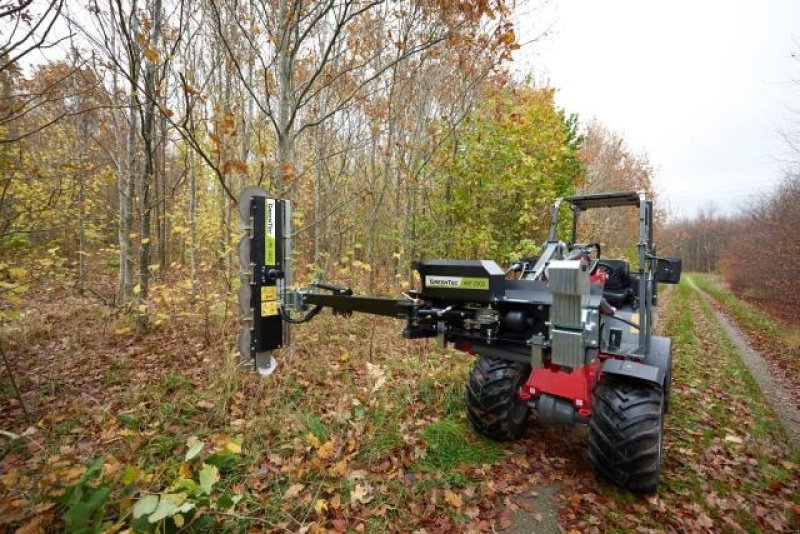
[(399, 131)]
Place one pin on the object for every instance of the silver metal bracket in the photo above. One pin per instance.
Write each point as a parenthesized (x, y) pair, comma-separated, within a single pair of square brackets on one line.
[(440, 327), (537, 343)]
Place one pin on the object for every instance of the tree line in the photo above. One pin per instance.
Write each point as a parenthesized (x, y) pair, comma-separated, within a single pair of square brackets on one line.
[(757, 249)]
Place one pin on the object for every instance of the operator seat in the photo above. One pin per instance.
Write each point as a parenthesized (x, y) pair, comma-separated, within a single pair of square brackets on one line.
[(617, 290)]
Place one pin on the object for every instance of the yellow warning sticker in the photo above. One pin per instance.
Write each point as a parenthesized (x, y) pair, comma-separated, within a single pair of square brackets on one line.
[(269, 308), (634, 319), (269, 301), (269, 293)]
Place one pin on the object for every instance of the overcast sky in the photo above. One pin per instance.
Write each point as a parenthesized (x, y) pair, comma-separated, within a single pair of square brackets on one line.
[(704, 88)]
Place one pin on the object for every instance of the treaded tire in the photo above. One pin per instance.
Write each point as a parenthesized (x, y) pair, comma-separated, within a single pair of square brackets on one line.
[(626, 431), (492, 408)]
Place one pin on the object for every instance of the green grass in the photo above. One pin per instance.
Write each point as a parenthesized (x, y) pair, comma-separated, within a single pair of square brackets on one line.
[(384, 434), (315, 426), (131, 422), (117, 373), (450, 444), (447, 394), (65, 427), (745, 313), (175, 380), (701, 369), (715, 397), (6, 390), (160, 450)]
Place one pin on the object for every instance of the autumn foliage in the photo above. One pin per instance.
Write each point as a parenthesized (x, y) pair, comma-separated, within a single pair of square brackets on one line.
[(757, 250)]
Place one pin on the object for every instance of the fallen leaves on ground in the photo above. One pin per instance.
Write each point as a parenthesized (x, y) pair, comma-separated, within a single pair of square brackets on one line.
[(339, 443)]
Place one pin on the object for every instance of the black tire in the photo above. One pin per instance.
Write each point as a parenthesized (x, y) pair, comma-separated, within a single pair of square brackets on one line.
[(493, 410), (626, 433)]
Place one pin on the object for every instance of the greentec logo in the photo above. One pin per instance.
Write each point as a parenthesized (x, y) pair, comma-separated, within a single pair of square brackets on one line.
[(269, 234), (457, 282)]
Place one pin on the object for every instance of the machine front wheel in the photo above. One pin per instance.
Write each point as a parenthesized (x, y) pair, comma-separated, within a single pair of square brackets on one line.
[(626, 432), (493, 409)]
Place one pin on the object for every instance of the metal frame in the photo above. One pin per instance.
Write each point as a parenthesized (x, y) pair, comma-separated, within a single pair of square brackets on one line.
[(645, 246)]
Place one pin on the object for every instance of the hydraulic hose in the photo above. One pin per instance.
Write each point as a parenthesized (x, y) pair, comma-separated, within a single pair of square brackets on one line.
[(304, 319)]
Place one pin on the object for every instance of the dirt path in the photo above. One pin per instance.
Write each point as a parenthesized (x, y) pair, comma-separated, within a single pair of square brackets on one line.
[(779, 397), (536, 512)]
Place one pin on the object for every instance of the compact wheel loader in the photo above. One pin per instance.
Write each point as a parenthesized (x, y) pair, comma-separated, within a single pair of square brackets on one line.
[(566, 336)]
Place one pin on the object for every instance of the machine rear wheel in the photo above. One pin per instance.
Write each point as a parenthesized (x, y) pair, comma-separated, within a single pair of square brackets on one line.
[(626, 431), (493, 409)]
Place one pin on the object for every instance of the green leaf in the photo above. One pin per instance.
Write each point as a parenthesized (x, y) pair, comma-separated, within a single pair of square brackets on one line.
[(225, 501), (145, 506), (195, 446), (224, 460), (79, 516), (169, 505), (209, 475), (93, 469), (129, 475), (189, 485)]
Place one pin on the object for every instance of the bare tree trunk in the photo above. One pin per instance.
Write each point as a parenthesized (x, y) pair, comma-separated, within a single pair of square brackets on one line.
[(127, 184), (317, 192), (81, 135), (158, 203), (81, 232), (192, 184), (193, 222), (247, 127), (285, 80), (148, 134), (127, 180), (163, 236), (227, 241)]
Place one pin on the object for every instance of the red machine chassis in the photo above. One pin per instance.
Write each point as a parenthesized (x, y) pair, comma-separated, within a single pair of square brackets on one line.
[(577, 385)]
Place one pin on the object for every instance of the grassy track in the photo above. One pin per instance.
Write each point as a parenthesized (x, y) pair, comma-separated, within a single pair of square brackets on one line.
[(726, 445), (779, 342)]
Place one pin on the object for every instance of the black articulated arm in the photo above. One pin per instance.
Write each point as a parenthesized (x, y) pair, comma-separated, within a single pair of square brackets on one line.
[(349, 303), (342, 301)]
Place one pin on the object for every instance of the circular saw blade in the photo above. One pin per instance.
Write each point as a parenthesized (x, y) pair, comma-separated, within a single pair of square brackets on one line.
[(245, 337), (245, 300), (245, 258), (245, 197)]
